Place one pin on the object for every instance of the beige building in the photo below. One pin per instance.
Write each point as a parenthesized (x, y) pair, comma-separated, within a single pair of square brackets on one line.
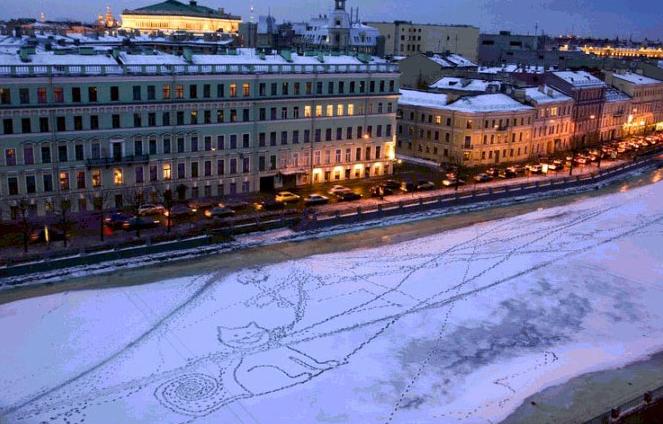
[(404, 38), (420, 70), (553, 124), (482, 130), (614, 115), (646, 99), (172, 15)]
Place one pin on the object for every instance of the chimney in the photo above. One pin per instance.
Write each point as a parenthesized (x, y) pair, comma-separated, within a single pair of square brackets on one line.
[(541, 88)]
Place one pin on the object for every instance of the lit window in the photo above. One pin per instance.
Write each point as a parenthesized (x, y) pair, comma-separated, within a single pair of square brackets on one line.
[(339, 110), (351, 109), (64, 180), (166, 171), (307, 111), (246, 90), (96, 178), (330, 110), (318, 111), (179, 91), (438, 119), (233, 90), (166, 91), (118, 178)]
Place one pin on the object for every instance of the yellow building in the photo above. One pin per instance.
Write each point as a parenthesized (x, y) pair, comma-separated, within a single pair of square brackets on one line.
[(172, 15)]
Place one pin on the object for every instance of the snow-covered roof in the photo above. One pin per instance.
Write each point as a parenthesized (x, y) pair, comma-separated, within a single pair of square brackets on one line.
[(545, 94), (579, 78), (440, 61), (614, 95), (50, 58), (487, 103), (464, 84), (460, 61), (512, 68), (422, 98), (637, 79)]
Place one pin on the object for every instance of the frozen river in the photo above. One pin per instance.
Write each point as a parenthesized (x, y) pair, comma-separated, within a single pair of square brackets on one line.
[(460, 326)]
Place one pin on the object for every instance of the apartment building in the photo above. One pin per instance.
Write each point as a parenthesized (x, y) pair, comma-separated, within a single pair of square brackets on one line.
[(79, 126), (615, 115), (553, 123), (646, 99), (405, 38), (588, 94), (479, 130)]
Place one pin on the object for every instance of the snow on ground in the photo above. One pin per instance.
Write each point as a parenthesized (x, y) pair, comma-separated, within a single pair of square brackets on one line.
[(459, 326)]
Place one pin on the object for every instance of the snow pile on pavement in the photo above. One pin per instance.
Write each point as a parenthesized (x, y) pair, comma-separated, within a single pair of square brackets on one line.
[(456, 327)]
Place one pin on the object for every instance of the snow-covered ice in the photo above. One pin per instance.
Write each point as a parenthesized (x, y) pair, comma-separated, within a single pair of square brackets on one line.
[(459, 326)]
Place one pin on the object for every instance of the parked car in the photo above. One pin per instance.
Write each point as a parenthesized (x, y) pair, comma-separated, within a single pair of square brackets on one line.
[(536, 169), (316, 199), (140, 222), (492, 172), (219, 212), (268, 205), (451, 182), (201, 205), (392, 184), (338, 189), (286, 197), (116, 220), (482, 178), (580, 160), (509, 172), (46, 234), (381, 190), (150, 209), (236, 205), (179, 211), (348, 196), (425, 185)]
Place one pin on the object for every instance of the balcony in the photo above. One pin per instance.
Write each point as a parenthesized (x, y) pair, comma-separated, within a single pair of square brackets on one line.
[(124, 160)]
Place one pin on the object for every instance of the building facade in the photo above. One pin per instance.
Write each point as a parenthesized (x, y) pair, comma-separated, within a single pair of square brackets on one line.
[(404, 38), (173, 16), (205, 126), (483, 130), (588, 94), (615, 115), (646, 99), (553, 123)]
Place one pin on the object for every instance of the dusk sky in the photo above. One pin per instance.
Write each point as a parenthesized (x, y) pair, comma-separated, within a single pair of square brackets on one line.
[(605, 18)]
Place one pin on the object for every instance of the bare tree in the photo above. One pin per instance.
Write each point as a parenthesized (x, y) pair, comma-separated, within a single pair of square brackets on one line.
[(133, 198), (62, 208), (99, 199), (24, 219)]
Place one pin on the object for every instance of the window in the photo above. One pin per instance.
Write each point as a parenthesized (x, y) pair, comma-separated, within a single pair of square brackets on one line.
[(62, 153), (151, 92), (208, 143), (220, 142), (76, 94), (78, 123), (58, 94), (220, 167), (80, 180), (307, 111), (64, 181), (94, 122), (180, 145), (233, 90), (24, 96), (115, 93), (194, 144), (48, 183), (245, 141), (10, 157), (207, 91), (42, 96), (30, 184), (180, 171), (118, 178), (179, 91), (233, 141), (92, 94), (78, 152), (284, 89), (284, 137), (28, 155), (151, 119), (116, 121), (165, 168), (246, 89), (139, 175), (220, 90), (193, 91), (45, 154), (8, 126), (194, 169), (12, 185), (165, 91), (318, 111), (136, 92), (307, 136), (194, 117), (245, 166), (166, 145), (137, 120)]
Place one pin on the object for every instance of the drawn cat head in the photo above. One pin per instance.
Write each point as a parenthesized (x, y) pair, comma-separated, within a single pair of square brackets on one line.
[(248, 337)]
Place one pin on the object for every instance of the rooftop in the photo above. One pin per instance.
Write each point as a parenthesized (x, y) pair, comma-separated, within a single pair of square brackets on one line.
[(637, 79), (544, 94), (614, 95), (580, 78), (512, 68), (239, 61), (463, 84), (422, 98), (174, 7), (487, 103)]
